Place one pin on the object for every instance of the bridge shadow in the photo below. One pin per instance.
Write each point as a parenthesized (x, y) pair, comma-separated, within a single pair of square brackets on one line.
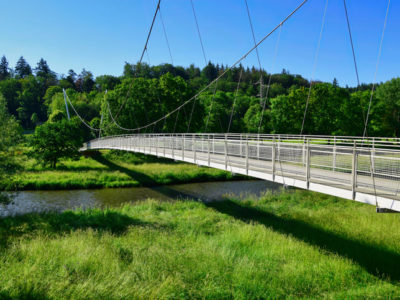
[(376, 260), (146, 181), (142, 178)]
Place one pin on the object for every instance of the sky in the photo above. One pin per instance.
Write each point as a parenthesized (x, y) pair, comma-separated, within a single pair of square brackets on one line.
[(101, 35)]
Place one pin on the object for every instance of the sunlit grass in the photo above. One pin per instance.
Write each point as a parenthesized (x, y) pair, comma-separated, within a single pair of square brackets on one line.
[(296, 244)]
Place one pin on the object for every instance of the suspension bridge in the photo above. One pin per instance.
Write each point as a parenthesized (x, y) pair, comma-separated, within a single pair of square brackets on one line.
[(362, 169)]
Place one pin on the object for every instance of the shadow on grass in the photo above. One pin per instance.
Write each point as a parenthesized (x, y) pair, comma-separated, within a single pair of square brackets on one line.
[(142, 178), (377, 261), (25, 295), (58, 224)]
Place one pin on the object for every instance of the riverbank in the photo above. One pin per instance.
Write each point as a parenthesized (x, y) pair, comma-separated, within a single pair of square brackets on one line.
[(107, 169), (292, 244)]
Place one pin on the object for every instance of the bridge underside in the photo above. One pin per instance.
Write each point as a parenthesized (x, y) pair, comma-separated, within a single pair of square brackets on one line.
[(342, 171)]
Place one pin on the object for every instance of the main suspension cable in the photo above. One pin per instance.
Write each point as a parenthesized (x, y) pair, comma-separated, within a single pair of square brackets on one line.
[(314, 65), (226, 70), (140, 60), (79, 116)]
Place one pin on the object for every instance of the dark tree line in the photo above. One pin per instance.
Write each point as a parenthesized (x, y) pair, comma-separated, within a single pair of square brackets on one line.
[(146, 93)]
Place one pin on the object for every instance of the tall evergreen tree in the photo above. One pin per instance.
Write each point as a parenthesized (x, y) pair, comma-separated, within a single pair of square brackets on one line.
[(4, 70), (22, 69), (42, 69)]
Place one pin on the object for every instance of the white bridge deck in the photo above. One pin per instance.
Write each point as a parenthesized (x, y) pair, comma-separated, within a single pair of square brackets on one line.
[(364, 170)]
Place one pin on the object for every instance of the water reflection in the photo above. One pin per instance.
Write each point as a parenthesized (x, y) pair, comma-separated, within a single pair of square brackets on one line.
[(41, 201)]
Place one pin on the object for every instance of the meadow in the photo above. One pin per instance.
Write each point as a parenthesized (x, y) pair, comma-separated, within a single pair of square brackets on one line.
[(293, 244)]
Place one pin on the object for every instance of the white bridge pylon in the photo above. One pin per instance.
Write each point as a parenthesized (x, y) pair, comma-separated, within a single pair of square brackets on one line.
[(366, 170)]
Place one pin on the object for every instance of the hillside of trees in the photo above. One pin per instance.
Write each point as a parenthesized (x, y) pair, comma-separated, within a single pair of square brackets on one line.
[(145, 93)]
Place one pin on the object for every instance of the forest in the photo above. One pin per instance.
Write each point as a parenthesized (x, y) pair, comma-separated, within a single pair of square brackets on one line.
[(237, 102)]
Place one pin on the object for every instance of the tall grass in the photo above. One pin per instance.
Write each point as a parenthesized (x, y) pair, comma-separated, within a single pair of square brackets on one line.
[(107, 169), (294, 244)]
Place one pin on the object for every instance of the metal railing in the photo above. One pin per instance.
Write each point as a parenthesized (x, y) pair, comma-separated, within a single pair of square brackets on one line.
[(353, 165)]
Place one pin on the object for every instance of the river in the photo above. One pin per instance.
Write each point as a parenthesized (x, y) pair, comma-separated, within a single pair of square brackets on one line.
[(42, 201)]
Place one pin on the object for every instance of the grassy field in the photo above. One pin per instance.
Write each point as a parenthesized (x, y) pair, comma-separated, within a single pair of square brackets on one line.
[(293, 244), (107, 169)]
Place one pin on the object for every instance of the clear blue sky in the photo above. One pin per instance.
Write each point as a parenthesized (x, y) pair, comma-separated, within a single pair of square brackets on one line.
[(100, 35)]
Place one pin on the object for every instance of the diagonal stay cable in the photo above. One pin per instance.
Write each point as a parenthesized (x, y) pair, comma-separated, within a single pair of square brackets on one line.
[(351, 42), (211, 106), (376, 69), (198, 31), (354, 53), (234, 100), (227, 69), (258, 55), (370, 99), (314, 65), (166, 36), (270, 78)]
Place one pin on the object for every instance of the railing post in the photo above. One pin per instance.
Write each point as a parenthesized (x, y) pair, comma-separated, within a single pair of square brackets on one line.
[(354, 171), (334, 154), (213, 149), (273, 158), (247, 157), (304, 151), (183, 147), (208, 149), (308, 164), (164, 145), (240, 143), (173, 146), (194, 148), (258, 146), (373, 158), (157, 145), (226, 152)]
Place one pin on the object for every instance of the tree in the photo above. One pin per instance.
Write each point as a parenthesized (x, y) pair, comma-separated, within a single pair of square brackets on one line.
[(10, 135), (22, 69), (210, 72), (107, 82), (10, 88), (4, 69), (388, 96), (85, 82), (42, 69), (56, 140)]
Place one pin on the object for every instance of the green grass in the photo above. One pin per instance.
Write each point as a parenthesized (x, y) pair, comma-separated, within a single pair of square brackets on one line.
[(294, 244), (107, 169)]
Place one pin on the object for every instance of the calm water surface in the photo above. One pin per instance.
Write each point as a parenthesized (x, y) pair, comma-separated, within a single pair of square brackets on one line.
[(40, 201)]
